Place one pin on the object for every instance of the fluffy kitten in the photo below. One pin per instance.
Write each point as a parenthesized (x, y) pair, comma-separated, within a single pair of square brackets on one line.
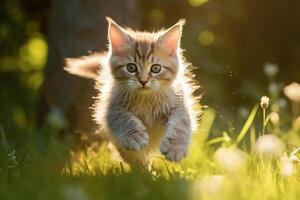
[(146, 92)]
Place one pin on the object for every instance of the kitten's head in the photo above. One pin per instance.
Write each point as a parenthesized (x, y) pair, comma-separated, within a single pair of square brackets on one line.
[(144, 61)]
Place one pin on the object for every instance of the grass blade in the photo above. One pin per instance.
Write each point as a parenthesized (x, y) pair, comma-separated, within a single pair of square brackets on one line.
[(215, 141), (247, 124), (206, 123)]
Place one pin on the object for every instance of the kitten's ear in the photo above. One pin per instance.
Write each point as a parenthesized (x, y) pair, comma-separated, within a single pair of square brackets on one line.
[(170, 39), (118, 38)]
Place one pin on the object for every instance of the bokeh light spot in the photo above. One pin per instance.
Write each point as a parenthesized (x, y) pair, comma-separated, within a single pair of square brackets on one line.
[(34, 52), (214, 19), (19, 117), (32, 27), (206, 38), (197, 3), (35, 80), (4, 31), (157, 16)]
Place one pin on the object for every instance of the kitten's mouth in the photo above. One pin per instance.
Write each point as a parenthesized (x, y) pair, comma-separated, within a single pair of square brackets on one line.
[(144, 89)]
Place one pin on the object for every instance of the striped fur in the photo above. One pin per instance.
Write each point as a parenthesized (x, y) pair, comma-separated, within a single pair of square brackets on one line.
[(140, 118)]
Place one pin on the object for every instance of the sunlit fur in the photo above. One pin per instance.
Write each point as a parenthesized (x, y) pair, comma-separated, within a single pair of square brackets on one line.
[(161, 113)]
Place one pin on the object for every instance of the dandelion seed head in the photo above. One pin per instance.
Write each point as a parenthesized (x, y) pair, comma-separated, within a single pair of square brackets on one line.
[(271, 69), (230, 159), (292, 91), (264, 102), (287, 169), (269, 145), (209, 187)]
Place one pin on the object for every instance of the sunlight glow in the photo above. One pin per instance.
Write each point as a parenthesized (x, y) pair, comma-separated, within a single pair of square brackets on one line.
[(157, 16), (206, 38), (197, 3), (34, 52)]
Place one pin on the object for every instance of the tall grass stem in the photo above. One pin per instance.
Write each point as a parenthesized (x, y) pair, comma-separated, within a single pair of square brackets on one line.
[(264, 121)]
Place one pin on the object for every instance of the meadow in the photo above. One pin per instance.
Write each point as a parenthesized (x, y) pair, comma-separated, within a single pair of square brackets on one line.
[(246, 58), (259, 161)]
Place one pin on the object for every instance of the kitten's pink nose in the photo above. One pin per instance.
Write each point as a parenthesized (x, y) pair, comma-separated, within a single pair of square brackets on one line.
[(143, 82)]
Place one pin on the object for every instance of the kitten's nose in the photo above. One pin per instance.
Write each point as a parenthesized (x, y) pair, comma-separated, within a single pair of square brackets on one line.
[(143, 82)]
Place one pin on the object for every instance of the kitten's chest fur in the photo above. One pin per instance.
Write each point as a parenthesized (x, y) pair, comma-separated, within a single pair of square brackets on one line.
[(153, 109)]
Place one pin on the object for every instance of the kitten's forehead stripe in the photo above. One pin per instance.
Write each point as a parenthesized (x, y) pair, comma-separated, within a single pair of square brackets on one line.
[(143, 50), (150, 51), (137, 54)]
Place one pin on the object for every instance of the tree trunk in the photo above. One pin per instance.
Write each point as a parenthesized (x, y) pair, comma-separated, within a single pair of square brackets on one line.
[(75, 28)]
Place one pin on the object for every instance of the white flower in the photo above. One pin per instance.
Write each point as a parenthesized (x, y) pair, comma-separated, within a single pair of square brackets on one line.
[(274, 118), (270, 69), (287, 169), (264, 102), (210, 187), (74, 192), (292, 91), (288, 164), (269, 145), (230, 159)]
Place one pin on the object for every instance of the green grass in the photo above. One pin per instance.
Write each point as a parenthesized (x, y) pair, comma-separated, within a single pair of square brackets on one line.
[(227, 167)]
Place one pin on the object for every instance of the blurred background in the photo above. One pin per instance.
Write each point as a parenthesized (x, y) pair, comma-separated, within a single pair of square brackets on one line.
[(232, 43)]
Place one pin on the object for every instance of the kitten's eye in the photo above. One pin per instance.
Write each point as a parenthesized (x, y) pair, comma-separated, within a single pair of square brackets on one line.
[(155, 68), (131, 67)]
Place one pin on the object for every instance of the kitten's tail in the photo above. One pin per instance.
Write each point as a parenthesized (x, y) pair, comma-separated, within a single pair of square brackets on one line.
[(85, 66)]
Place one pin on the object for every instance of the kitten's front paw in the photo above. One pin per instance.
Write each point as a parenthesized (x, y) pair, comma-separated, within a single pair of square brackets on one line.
[(135, 141), (173, 150)]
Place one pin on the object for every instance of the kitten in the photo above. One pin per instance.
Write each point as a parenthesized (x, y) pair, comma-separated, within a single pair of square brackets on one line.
[(145, 92)]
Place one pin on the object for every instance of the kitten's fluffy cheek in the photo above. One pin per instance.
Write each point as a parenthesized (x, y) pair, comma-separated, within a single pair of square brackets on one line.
[(132, 84), (163, 83), (154, 85)]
